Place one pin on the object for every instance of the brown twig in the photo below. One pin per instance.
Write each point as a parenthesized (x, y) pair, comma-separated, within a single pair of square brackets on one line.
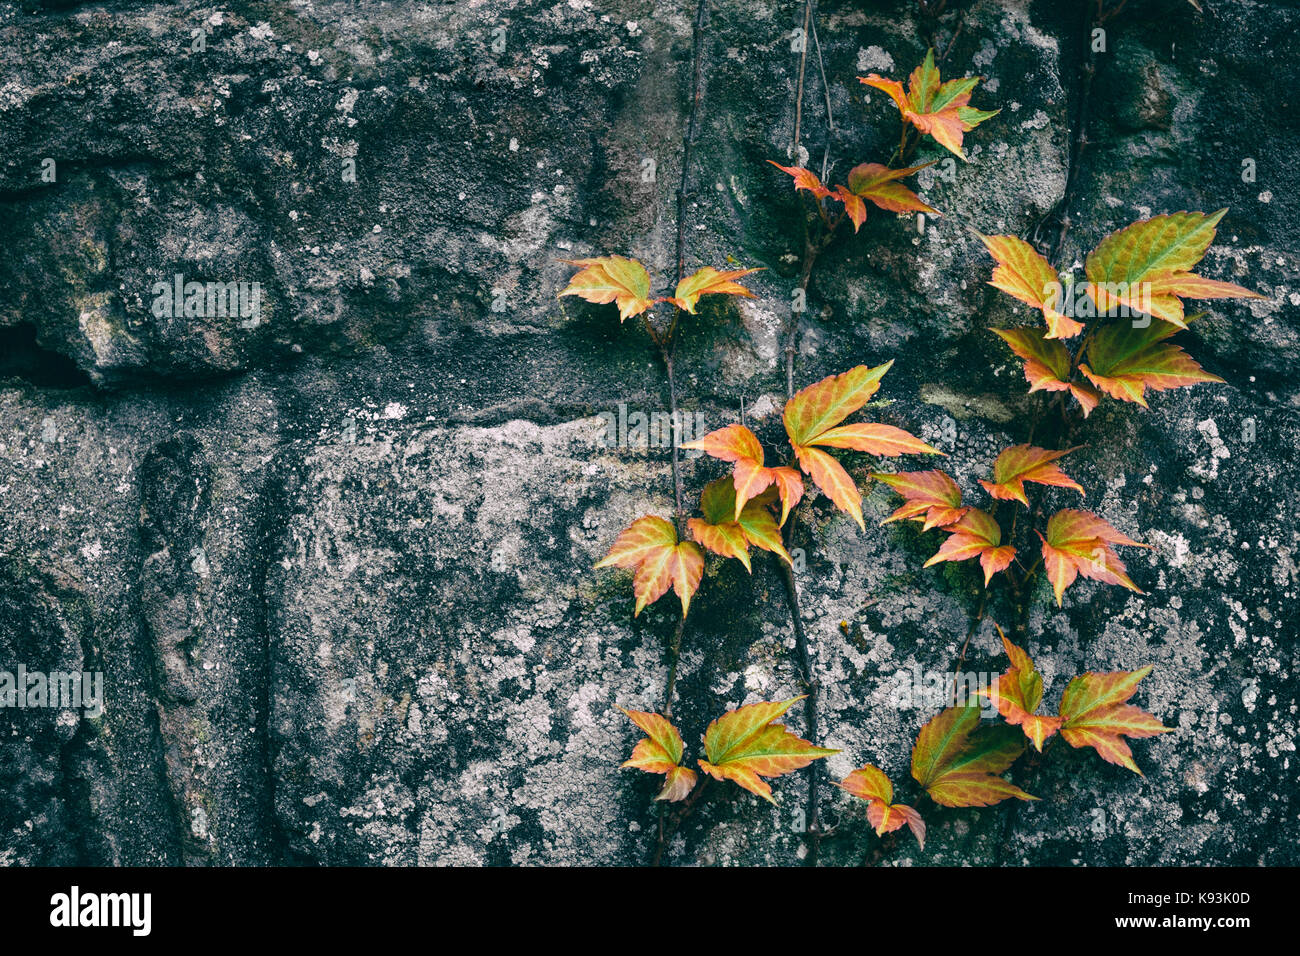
[(970, 632), (798, 95)]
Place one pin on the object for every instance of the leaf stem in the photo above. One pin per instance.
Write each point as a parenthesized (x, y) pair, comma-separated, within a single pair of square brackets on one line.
[(667, 832), (970, 632)]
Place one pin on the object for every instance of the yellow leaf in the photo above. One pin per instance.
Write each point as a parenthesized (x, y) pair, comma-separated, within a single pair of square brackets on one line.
[(612, 279), (649, 546), (959, 763), (744, 745), (1025, 275), (1095, 715), (661, 752), (709, 281)]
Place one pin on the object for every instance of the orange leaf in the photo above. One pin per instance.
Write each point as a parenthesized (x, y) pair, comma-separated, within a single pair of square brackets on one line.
[(730, 536), (1021, 463), (1025, 275), (880, 185), (1017, 694), (731, 443), (725, 539), (709, 281), (1079, 542), (884, 441), (661, 752), (1145, 267), (976, 535), (811, 417), (736, 443), (853, 205), (1095, 715), (958, 762), (804, 179), (750, 479), (612, 279), (870, 784), (825, 404), (1047, 365), (829, 475), (649, 546), (744, 745), (930, 496), (939, 109), (886, 817), (790, 486)]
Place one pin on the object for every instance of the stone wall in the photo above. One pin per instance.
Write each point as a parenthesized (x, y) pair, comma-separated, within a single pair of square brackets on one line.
[(334, 558)]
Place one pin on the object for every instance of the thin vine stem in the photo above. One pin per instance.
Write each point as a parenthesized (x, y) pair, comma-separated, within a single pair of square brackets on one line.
[(667, 343)]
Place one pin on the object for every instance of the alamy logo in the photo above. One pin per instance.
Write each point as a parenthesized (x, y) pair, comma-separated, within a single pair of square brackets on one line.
[(70, 690), (1083, 300), (918, 689), (75, 908), (208, 300), (639, 431)]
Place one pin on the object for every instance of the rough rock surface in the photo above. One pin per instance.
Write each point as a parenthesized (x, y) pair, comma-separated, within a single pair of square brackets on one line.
[(333, 559)]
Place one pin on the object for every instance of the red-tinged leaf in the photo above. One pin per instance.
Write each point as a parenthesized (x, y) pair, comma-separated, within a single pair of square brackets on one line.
[(731, 443), (736, 443), (1079, 542), (612, 279), (976, 535), (880, 185), (884, 441), (804, 179), (745, 745), (642, 538), (870, 784), (678, 784), (1021, 463), (892, 88), (1145, 267), (680, 566), (996, 559), (958, 762), (811, 417), (1095, 715), (829, 475), (649, 546), (1190, 286), (1124, 361), (661, 752), (931, 497), (1025, 275), (853, 205), (750, 479), (1017, 694), (888, 817), (709, 281), (789, 485), (940, 109), (1047, 365), (825, 404)]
